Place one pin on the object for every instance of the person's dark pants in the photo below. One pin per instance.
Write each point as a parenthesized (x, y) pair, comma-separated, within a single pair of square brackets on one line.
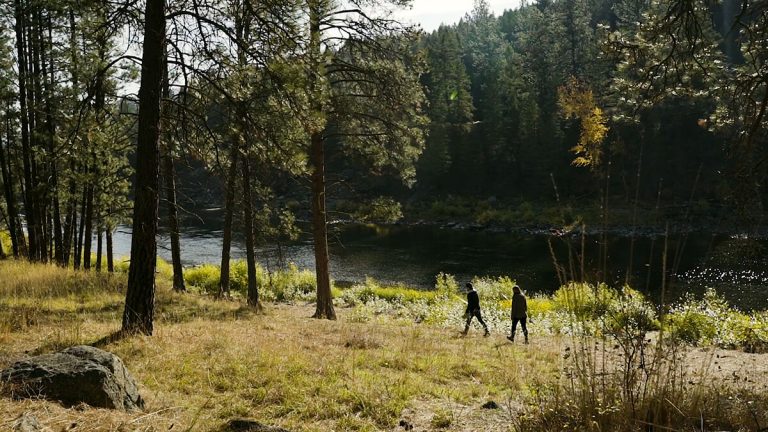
[(522, 322), (472, 314)]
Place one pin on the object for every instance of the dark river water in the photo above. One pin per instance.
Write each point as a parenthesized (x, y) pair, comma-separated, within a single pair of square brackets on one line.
[(734, 265)]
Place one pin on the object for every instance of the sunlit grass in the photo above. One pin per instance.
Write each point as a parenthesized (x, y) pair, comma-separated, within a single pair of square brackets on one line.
[(210, 361)]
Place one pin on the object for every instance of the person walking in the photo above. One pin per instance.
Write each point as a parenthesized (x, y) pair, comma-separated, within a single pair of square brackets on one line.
[(519, 313), (473, 309)]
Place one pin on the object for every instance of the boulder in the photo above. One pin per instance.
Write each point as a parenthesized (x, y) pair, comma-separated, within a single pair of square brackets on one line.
[(79, 374)]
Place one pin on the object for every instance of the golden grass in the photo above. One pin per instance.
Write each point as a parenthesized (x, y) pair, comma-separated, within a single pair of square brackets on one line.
[(212, 361)]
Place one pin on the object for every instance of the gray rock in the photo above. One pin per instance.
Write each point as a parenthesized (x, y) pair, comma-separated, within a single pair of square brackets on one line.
[(247, 425), (28, 423), (80, 374)]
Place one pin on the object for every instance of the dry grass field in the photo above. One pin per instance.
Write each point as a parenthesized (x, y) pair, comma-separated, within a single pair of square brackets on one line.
[(212, 361)]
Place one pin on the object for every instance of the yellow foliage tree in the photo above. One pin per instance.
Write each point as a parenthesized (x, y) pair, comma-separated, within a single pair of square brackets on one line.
[(577, 101)]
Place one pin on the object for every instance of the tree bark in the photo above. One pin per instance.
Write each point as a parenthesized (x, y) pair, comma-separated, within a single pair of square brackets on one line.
[(138, 315), (169, 175), (10, 198), (81, 231), (253, 289), (228, 213), (317, 161), (320, 230), (88, 237), (169, 172), (48, 83), (99, 249), (35, 92), (110, 257), (29, 186), (70, 222)]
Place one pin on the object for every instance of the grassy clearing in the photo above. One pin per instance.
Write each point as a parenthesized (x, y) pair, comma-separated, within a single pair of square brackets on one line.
[(211, 361)]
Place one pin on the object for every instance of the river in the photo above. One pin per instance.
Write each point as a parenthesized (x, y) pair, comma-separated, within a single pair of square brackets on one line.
[(734, 265)]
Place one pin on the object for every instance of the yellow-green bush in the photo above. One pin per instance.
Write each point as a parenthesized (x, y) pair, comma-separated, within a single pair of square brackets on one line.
[(289, 284), (371, 290), (446, 285), (280, 285), (539, 305), (630, 314), (494, 289), (5, 239), (690, 326), (204, 277), (584, 301)]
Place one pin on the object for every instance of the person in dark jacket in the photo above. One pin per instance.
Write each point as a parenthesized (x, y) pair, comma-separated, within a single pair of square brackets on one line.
[(473, 309), (519, 313)]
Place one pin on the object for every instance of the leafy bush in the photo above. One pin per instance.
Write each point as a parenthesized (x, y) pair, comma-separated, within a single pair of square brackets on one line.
[(5, 239), (370, 290), (584, 301), (291, 284), (630, 314), (711, 320), (539, 305), (446, 285), (205, 277)]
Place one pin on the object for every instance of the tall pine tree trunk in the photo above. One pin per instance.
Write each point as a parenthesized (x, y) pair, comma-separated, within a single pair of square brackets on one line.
[(250, 243), (40, 176), (110, 256), (10, 198), (99, 245), (320, 230), (70, 221), (88, 237), (29, 186), (229, 205), (317, 161), (48, 83), (169, 175), (139, 311), (81, 230)]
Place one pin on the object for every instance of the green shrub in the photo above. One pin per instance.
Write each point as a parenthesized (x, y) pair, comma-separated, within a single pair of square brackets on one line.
[(370, 290), (584, 301), (701, 321), (539, 305), (494, 289), (689, 325), (291, 284), (750, 332), (446, 285), (5, 239), (204, 277), (630, 314)]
